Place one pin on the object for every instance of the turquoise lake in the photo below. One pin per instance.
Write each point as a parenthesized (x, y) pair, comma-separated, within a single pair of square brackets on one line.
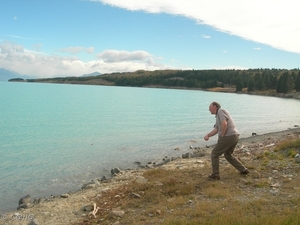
[(55, 137)]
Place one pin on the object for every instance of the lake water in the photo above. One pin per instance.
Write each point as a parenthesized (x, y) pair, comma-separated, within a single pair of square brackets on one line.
[(55, 137)]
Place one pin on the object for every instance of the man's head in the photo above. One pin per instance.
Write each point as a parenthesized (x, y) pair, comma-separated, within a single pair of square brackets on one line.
[(214, 107)]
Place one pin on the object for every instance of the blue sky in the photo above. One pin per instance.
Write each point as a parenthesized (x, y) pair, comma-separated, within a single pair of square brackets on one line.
[(48, 38)]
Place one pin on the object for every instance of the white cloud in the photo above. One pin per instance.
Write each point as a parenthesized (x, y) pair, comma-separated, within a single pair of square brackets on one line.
[(21, 37), (271, 22), (120, 61), (206, 36), (230, 68), (257, 49), (119, 56), (36, 64), (37, 47), (75, 50)]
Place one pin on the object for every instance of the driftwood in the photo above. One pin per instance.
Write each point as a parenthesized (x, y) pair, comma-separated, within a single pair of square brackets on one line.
[(95, 210)]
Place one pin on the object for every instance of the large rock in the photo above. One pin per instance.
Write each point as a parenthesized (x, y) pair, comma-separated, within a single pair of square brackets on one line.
[(25, 199), (93, 184), (115, 171), (117, 213)]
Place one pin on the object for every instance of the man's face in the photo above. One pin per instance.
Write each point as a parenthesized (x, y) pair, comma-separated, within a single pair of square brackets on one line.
[(212, 108)]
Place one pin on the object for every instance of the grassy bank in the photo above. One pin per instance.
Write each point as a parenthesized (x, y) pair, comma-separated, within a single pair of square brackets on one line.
[(182, 194)]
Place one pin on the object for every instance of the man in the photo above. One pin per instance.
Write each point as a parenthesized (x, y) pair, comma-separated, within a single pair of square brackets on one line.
[(228, 138)]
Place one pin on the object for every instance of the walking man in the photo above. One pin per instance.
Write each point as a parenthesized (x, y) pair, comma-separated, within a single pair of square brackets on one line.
[(228, 138)]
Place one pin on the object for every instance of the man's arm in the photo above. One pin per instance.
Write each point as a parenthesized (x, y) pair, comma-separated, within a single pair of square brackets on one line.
[(212, 133)]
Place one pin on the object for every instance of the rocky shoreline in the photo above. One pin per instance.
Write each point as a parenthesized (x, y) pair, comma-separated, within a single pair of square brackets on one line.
[(73, 206)]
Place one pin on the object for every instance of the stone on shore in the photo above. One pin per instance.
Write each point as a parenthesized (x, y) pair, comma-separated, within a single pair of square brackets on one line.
[(25, 199), (115, 171), (297, 158)]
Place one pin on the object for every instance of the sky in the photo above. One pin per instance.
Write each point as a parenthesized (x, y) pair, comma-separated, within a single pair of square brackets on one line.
[(50, 38)]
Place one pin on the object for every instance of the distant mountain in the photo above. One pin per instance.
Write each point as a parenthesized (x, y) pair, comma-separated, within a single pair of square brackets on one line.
[(5, 75), (91, 74)]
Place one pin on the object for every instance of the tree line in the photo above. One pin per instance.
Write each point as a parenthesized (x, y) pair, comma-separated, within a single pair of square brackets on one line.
[(283, 81)]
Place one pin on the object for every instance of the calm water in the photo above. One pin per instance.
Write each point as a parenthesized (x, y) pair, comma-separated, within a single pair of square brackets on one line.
[(55, 137)]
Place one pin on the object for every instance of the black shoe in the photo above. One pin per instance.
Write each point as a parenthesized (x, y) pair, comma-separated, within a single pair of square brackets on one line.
[(246, 171), (215, 177)]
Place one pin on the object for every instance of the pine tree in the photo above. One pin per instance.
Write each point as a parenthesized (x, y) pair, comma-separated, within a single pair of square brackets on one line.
[(239, 85), (251, 85), (285, 83), (259, 82), (297, 82)]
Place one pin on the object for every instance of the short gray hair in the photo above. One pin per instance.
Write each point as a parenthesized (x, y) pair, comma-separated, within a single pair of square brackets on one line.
[(216, 104)]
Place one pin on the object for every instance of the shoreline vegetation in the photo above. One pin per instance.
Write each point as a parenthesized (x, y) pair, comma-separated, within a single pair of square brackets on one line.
[(269, 82), (177, 191)]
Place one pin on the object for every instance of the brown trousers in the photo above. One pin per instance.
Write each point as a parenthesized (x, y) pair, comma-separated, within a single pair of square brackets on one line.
[(226, 146)]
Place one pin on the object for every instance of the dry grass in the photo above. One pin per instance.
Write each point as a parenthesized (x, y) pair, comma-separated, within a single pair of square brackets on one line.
[(270, 194)]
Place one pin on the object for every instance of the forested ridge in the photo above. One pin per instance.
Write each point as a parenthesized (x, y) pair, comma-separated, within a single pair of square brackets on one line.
[(279, 80)]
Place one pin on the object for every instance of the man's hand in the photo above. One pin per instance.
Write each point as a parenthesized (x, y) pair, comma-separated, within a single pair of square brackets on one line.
[(212, 133)]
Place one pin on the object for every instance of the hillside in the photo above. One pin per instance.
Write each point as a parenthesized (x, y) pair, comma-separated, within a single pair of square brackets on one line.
[(6, 75), (275, 82)]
